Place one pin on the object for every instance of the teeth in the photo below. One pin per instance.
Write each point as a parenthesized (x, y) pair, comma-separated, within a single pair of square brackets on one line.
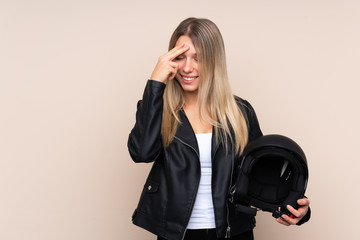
[(189, 78)]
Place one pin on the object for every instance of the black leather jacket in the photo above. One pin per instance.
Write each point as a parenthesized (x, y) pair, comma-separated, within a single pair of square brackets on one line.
[(169, 193)]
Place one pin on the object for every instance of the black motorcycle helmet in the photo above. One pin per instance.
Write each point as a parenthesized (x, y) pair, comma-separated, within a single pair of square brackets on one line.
[(271, 173)]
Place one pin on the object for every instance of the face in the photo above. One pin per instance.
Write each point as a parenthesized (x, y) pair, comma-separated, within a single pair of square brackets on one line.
[(188, 67)]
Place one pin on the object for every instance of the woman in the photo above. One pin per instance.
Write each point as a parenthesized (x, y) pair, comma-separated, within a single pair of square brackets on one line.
[(191, 126)]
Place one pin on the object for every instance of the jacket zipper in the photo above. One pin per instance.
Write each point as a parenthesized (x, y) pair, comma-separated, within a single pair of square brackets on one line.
[(227, 235), (197, 184)]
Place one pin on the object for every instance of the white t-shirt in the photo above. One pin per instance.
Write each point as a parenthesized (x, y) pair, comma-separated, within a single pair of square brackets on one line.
[(202, 216)]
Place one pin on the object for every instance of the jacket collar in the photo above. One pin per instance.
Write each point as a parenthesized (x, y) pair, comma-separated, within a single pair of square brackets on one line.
[(186, 134)]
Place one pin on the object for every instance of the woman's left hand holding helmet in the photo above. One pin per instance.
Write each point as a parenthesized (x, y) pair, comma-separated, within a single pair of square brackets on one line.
[(297, 214)]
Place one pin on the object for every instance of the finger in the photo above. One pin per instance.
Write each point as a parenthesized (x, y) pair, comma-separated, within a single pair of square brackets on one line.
[(183, 48), (290, 220), (282, 221), (293, 211), (169, 54), (303, 202), (173, 70), (176, 48)]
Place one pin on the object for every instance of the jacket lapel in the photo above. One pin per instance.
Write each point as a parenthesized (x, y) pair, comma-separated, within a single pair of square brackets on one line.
[(185, 132), (215, 142)]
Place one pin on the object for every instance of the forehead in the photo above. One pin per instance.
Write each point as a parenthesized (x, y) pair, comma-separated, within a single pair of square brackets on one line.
[(187, 40)]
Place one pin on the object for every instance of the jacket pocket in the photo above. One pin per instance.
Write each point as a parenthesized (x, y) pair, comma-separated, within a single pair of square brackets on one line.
[(151, 187), (152, 201), (145, 203)]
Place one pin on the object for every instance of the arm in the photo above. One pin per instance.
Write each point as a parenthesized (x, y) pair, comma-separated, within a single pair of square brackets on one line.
[(144, 141)]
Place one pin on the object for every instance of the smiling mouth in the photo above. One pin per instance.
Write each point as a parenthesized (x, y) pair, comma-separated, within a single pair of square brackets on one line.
[(189, 78)]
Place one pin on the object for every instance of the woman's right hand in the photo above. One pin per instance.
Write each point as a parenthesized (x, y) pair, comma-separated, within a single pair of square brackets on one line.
[(165, 68)]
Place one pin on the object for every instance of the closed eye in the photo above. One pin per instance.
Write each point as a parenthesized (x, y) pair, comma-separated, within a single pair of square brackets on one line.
[(179, 57)]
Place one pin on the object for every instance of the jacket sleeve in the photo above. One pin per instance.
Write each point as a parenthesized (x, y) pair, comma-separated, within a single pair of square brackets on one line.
[(145, 142)]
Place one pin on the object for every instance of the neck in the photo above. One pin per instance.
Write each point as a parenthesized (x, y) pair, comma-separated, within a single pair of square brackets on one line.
[(199, 122), (191, 99)]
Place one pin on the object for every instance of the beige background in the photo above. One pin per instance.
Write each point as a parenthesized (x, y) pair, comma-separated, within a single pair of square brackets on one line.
[(72, 71)]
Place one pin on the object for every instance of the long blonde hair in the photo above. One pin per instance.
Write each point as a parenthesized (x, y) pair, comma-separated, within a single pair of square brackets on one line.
[(216, 102)]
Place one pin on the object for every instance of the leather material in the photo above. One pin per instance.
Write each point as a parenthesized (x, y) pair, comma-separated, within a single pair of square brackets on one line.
[(169, 193)]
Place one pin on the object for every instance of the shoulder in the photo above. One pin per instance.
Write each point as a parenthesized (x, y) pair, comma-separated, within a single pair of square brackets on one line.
[(244, 105), (250, 116)]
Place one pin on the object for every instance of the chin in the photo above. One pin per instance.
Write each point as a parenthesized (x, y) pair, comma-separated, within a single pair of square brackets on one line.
[(189, 86)]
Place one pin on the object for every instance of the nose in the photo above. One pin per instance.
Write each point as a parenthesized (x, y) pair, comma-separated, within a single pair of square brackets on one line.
[(189, 66)]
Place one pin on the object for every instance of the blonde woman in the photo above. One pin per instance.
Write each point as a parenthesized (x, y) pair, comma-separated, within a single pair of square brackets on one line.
[(192, 128)]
